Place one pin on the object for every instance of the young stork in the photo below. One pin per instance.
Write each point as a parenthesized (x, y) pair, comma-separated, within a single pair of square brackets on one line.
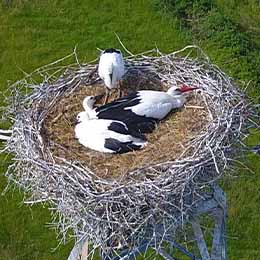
[(111, 69), (139, 110), (107, 136)]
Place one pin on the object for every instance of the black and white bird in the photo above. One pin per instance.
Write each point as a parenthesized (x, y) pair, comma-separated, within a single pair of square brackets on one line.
[(140, 110), (107, 136), (133, 121), (111, 69)]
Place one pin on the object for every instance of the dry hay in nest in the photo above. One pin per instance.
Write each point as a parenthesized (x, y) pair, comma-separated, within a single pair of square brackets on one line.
[(166, 143), (121, 199)]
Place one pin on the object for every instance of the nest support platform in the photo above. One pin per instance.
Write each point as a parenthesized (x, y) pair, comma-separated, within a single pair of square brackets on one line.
[(213, 204)]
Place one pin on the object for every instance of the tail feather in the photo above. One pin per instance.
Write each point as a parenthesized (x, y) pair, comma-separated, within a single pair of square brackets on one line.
[(122, 147), (143, 127)]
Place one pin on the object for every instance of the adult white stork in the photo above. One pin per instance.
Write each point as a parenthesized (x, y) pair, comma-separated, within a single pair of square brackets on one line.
[(140, 110), (107, 136), (111, 69), (134, 122)]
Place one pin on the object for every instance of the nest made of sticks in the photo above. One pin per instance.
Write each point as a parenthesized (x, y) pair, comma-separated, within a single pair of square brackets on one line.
[(120, 199)]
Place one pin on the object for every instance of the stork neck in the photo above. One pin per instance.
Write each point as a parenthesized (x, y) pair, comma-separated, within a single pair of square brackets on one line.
[(178, 101), (86, 117), (87, 106), (172, 91), (88, 109)]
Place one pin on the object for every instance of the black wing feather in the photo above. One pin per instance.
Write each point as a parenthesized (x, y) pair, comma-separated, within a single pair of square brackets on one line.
[(119, 147), (121, 128), (128, 101), (133, 121), (111, 50), (118, 128), (117, 110)]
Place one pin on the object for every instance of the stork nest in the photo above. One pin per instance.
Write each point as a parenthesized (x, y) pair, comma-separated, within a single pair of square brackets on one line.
[(116, 200), (166, 143)]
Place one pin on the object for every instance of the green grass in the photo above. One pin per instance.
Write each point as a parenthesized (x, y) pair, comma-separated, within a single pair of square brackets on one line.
[(34, 33), (245, 13), (23, 232)]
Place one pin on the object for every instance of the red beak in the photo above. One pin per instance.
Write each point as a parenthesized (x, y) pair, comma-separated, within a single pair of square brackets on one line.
[(185, 88)]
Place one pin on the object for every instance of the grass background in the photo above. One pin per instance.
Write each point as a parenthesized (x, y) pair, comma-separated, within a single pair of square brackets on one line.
[(34, 33)]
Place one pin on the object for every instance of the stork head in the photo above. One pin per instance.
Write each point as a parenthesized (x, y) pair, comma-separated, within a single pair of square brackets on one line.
[(89, 101), (112, 50), (178, 94), (81, 117), (179, 91)]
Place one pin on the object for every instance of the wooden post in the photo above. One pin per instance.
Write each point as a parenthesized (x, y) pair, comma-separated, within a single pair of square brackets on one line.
[(79, 251), (84, 254), (200, 240)]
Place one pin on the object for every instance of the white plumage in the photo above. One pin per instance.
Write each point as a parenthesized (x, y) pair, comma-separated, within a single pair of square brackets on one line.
[(107, 136), (157, 104), (111, 68), (141, 107)]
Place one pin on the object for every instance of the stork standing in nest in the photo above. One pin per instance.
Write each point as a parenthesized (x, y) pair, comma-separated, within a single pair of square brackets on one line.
[(111, 69), (140, 110), (108, 136)]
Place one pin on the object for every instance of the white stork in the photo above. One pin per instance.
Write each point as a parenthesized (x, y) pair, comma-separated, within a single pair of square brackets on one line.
[(111, 69), (107, 136), (141, 109)]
